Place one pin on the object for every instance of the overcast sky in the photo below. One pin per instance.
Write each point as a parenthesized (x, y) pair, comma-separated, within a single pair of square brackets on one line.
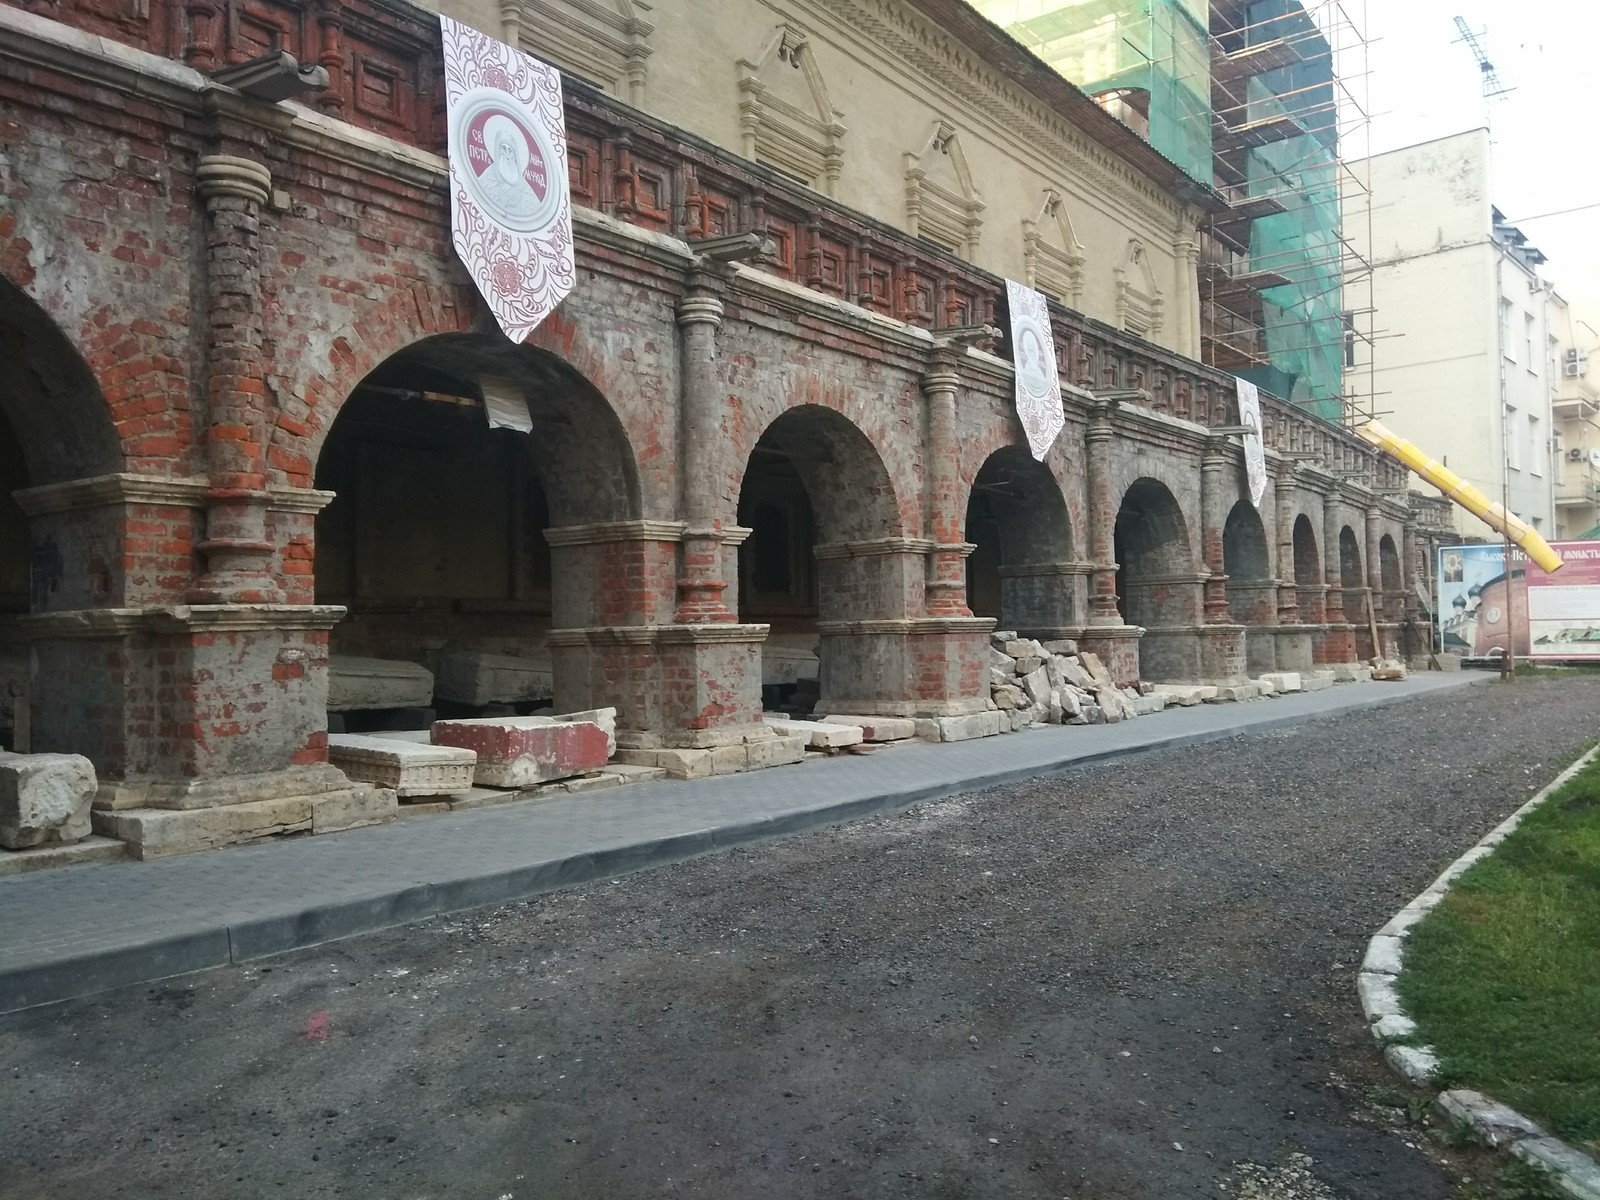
[(1425, 84)]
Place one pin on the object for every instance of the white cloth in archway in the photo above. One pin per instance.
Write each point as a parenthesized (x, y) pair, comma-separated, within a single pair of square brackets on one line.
[(510, 205), (1033, 356), (1255, 453)]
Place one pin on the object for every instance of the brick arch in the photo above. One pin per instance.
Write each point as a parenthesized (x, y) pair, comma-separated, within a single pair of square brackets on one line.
[(306, 409), (1001, 432), (883, 459), (49, 393), (1246, 549), (1307, 553)]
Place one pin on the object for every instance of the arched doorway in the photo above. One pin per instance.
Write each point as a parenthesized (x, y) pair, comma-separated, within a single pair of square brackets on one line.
[(1252, 590), (1393, 603), (14, 552), (437, 538), (1351, 579), (1307, 569), (55, 427), (1020, 571), (819, 505), (1158, 586)]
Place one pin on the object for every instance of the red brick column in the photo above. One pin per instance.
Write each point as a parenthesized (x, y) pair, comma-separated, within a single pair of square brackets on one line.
[(1102, 516), (946, 591), (1213, 517), (700, 584), (236, 552), (1284, 510)]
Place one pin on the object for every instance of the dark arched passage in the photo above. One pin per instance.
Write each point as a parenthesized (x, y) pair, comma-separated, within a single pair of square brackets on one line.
[(1158, 587), (1252, 590), (436, 540), (819, 504), (1020, 571), (14, 552), (1351, 579), (1307, 560)]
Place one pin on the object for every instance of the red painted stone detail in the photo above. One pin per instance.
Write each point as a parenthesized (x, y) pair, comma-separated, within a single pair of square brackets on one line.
[(520, 751)]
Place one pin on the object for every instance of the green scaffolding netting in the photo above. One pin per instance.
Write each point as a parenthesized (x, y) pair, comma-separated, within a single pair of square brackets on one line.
[(1159, 48)]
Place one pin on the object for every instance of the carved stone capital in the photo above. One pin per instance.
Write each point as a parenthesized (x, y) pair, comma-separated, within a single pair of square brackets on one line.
[(223, 175)]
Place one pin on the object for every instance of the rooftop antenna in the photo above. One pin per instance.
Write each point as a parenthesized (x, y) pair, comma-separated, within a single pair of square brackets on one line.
[(1492, 86)]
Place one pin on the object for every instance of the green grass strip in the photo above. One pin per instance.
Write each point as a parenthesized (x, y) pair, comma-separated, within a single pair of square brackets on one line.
[(1503, 976)]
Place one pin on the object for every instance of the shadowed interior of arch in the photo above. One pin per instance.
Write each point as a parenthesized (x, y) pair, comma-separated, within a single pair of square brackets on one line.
[(435, 540), (1390, 574), (14, 556), (1246, 561), (1017, 523), (1351, 578), (1307, 564), (1152, 545), (813, 479)]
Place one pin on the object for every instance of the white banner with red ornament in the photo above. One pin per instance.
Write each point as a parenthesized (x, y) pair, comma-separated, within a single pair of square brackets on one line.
[(510, 208), (1255, 453), (1033, 356)]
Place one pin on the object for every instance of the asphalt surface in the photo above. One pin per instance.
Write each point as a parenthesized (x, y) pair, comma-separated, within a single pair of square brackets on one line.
[(1134, 980)]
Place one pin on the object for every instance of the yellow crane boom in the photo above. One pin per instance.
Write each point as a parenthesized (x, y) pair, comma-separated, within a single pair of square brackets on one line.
[(1463, 493)]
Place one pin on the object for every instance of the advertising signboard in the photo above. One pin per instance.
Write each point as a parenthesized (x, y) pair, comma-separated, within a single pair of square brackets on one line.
[(1483, 610)]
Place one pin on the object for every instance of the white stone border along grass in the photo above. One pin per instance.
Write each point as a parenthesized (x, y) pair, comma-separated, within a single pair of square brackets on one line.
[(1574, 1172)]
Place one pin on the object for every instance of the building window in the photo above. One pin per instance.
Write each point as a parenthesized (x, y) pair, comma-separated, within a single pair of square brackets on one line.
[(1507, 346), (1349, 339), (1527, 341), (1513, 439), (1536, 452)]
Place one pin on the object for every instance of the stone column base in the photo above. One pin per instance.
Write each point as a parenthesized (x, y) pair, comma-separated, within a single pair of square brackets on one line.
[(1335, 644), (1295, 647), (161, 817), (691, 686), (1117, 647), (1223, 655), (913, 667)]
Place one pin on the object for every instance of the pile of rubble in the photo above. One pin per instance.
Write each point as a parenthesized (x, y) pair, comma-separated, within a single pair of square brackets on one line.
[(1051, 683)]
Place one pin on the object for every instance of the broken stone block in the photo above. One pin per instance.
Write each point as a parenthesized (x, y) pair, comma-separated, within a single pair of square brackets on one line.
[(1389, 674), (998, 679), (1019, 648), (1283, 681), (1028, 664), (1315, 683), (1093, 714), (517, 752), (1096, 668), (1072, 671), (1020, 719), (1000, 637), (44, 798), (1037, 685), (678, 763), (963, 728), (774, 752), (1009, 698), (477, 677), (879, 729), (606, 718), (1061, 646), (819, 735), (359, 683), (1000, 661), (402, 765)]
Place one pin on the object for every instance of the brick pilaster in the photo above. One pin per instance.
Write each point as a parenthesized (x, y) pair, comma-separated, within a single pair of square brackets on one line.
[(1097, 439), (236, 551), (947, 578), (1213, 517), (1284, 510)]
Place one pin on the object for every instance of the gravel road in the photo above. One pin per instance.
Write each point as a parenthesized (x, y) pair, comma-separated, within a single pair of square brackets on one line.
[(1128, 982)]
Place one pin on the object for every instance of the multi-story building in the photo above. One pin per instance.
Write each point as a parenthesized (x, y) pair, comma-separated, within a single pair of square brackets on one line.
[(1576, 409), (1241, 95), (245, 420), (1461, 359)]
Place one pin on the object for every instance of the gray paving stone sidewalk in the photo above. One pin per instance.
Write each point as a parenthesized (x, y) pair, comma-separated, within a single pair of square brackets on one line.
[(84, 929)]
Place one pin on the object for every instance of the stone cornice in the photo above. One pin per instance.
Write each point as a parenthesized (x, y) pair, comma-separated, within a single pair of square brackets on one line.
[(615, 531), (874, 546), (180, 619), (906, 626), (181, 491), (656, 635)]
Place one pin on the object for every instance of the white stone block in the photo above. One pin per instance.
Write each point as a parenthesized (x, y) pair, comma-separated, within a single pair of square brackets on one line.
[(1284, 681), (410, 769), (44, 798), (363, 683), (478, 677), (1378, 997), (878, 729), (819, 735)]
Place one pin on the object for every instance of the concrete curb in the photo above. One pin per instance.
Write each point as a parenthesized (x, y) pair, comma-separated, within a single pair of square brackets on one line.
[(1499, 1127), (71, 975)]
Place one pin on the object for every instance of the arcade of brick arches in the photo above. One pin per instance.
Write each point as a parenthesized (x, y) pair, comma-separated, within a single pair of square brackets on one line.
[(244, 451)]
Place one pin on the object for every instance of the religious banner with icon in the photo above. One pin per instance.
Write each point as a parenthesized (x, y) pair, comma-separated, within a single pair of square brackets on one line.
[(510, 208), (1033, 355), (1255, 453)]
